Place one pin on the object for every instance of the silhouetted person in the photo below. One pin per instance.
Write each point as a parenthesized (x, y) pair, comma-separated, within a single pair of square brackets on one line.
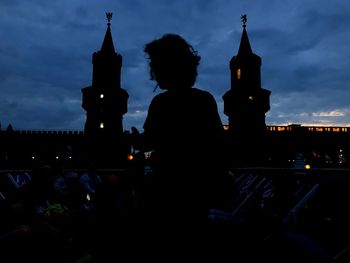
[(184, 130), (90, 181)]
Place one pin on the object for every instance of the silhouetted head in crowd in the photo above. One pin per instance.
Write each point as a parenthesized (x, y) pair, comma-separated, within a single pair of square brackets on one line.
[(173, 62)]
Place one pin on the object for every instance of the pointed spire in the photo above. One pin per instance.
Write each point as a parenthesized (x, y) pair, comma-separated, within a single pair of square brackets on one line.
[(107, 45), (244, 47)]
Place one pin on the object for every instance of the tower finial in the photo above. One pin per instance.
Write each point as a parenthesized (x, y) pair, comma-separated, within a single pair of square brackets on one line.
[(109, 17), (244, 19)]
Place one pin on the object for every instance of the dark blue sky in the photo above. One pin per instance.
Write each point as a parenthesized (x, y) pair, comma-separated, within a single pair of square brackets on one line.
[(46, 48)]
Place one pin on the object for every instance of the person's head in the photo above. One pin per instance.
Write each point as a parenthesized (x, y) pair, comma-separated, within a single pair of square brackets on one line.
[(173, 62)]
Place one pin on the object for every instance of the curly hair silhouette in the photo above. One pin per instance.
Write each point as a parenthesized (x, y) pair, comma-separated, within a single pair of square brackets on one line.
[(173, 62)]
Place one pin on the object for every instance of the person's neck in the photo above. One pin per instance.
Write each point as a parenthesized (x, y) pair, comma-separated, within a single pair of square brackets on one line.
[(179, 89)]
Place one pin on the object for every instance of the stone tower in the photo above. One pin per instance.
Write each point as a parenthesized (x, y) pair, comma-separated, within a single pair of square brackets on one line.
[(105, 102), (246, 103)]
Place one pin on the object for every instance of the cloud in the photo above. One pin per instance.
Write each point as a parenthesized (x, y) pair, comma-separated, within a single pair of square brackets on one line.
[(334, 113)]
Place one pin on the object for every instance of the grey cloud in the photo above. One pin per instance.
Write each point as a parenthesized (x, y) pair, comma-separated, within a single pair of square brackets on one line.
[(42, 113)]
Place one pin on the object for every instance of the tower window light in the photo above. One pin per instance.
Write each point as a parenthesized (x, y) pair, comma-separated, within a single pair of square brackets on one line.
[(239, 73)]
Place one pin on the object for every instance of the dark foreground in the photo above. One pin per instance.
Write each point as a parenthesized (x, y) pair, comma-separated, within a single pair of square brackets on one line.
[(271, 214)]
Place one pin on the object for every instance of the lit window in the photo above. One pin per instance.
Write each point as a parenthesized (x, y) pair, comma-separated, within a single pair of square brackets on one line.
[(344, 129), (281, 128), (102, 96), (336, 129), (102, 125), (239, 73), (319, 129)]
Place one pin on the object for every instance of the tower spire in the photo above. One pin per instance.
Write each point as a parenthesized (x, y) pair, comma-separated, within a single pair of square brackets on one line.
[(244, 20), (244, 47), (107, 45), (109, 17), (246, 104), (105, 103)]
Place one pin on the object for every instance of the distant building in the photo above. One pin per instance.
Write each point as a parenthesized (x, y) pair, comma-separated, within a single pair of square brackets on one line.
[(28, 148), (246, 103), (321, 146), (105, 102)]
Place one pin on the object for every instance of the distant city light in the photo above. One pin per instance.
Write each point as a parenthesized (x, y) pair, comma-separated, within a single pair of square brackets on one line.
[(307, 166), (102, 96), (102, 125), (130, 157)]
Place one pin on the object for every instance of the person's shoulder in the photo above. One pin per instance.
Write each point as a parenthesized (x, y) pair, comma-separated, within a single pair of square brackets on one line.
[(202, 93), (160, 98)]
